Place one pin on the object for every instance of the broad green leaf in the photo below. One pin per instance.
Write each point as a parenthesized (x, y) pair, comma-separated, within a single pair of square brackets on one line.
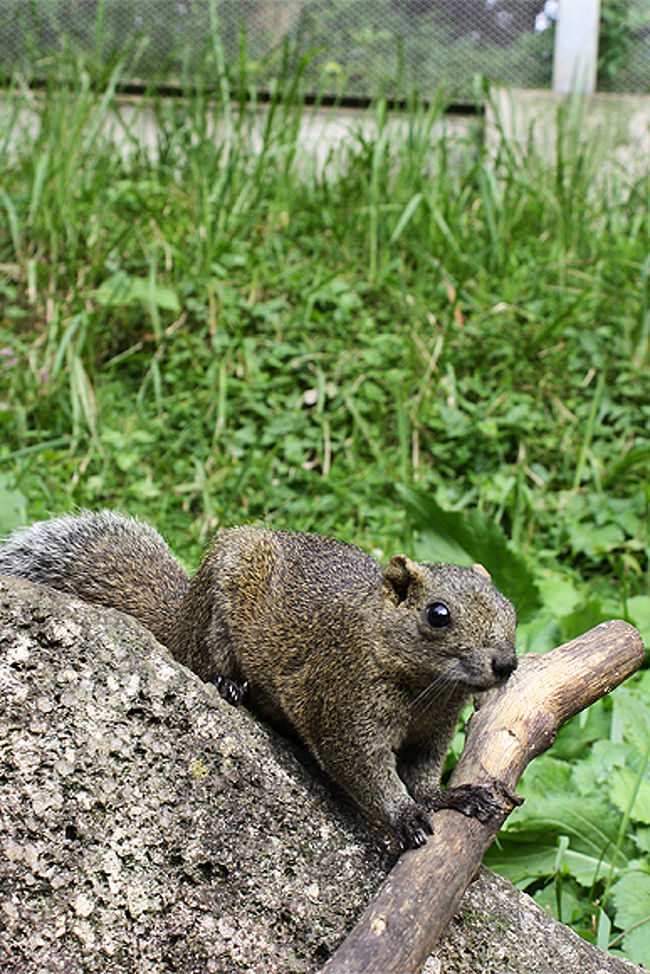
[(631, 897), (592, 540), (558, 590), (638, 608), (604, 930), (464, 537), (592, 775), (568, 894), (641, 839), (13, 508), (587, 615), (523, 861), (121, 290), (631, 708), (587, 736), (636, 942), (529, 841), (546, 776), (623, 784)]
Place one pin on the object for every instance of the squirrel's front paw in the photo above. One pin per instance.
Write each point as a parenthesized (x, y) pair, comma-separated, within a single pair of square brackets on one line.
[(413, 828), (475, 801), (233, 693)]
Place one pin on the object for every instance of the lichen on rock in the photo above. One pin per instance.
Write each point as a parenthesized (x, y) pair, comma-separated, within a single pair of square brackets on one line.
[(148, 825)]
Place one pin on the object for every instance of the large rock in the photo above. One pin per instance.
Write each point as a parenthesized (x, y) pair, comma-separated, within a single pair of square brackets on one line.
[(147, 826)]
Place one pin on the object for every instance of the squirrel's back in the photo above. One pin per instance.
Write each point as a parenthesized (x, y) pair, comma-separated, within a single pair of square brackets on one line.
[(104, 558)]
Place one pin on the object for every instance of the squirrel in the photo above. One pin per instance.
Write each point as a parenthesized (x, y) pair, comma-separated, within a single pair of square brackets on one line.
[(369, 667)]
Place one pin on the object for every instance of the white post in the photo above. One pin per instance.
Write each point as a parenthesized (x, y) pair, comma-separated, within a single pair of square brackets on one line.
[(576, 46)]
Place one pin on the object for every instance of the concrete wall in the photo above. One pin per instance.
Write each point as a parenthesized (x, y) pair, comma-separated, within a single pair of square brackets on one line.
[(619, 123)]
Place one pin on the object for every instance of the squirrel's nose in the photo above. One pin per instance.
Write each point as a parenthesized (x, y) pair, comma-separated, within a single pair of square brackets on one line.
[(503, 666)]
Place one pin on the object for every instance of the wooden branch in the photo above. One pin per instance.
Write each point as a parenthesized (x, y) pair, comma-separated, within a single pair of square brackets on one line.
[(514, 724)]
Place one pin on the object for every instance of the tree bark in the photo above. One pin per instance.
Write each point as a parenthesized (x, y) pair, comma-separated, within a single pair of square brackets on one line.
[(514, 724)]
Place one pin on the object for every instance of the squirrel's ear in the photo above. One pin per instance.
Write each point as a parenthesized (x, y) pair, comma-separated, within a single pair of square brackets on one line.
[(482, 570), (402, 578)]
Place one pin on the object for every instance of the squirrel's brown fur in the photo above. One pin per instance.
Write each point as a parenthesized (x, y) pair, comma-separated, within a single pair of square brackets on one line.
[(369, 667)]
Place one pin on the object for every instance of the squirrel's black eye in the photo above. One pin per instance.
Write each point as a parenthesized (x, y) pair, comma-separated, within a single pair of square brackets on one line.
[(438, 615)]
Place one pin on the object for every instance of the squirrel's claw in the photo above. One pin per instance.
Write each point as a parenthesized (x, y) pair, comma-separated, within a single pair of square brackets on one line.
[(414, 829), (232, 692)]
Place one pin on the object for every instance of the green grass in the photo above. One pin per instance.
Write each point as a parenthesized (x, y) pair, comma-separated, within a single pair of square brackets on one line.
[(213, 332)]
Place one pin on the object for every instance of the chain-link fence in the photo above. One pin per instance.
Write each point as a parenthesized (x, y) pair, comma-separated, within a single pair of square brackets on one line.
[(356, 48)]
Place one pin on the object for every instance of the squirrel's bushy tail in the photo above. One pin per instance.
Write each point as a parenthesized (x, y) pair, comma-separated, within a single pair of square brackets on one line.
[(104, 558)]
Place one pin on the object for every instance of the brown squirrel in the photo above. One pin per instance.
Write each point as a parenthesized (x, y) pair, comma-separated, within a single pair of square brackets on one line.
[(369, 667)]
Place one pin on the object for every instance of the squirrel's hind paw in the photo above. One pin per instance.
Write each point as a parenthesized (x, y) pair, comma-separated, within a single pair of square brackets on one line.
[(232, 692)]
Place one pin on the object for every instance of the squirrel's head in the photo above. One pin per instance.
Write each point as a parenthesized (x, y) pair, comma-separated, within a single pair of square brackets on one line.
[(447, 621)]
